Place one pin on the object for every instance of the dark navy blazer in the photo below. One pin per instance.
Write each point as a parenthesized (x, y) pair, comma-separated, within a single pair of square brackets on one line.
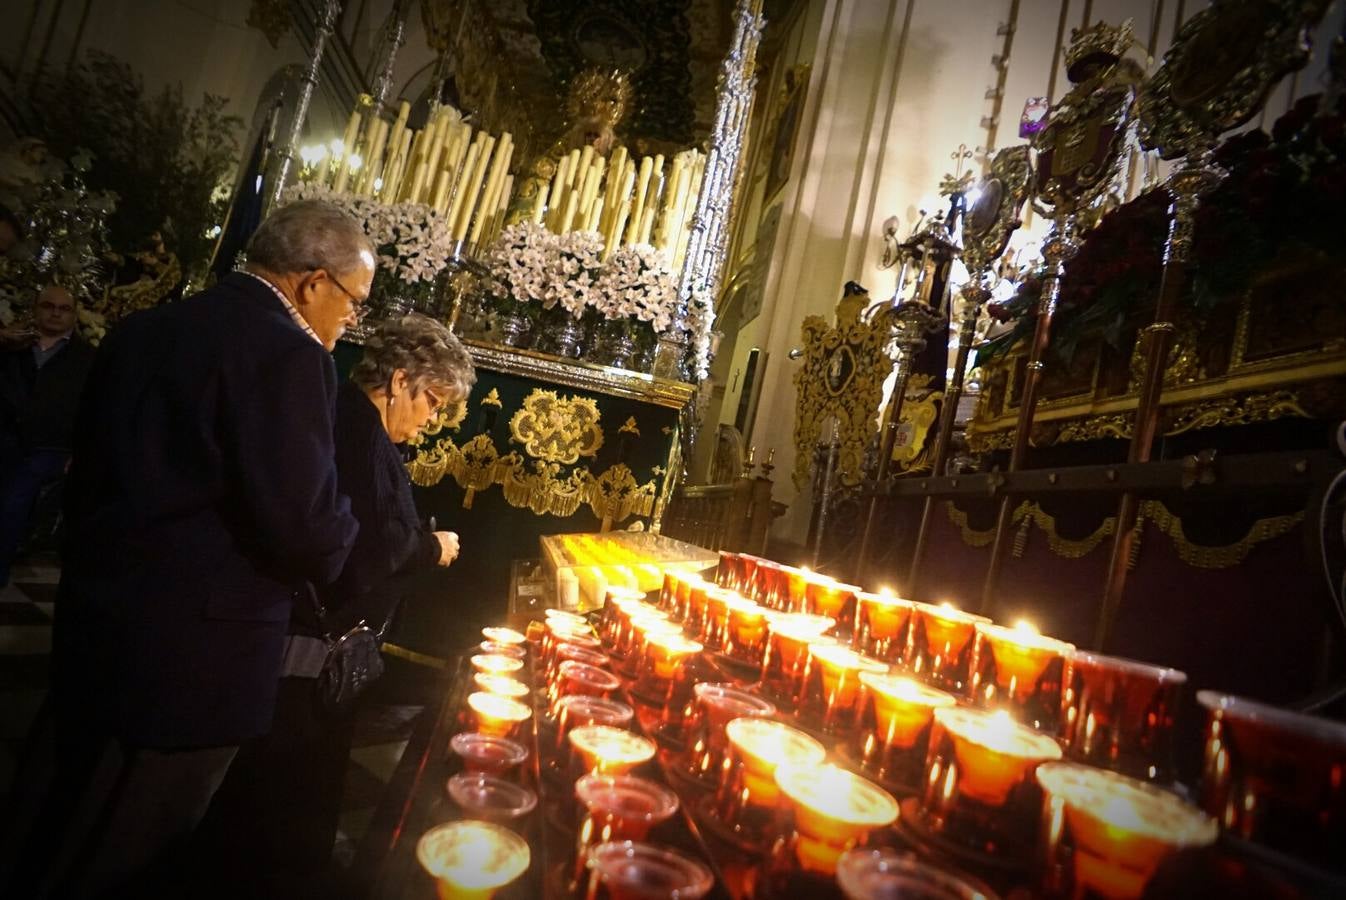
[(202, 497)]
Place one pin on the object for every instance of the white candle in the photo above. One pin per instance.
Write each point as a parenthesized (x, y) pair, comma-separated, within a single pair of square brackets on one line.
[(460, 190), (472, 186), (538, 210)]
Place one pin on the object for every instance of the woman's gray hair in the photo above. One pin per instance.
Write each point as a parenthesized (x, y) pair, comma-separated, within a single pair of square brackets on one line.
[(307, 235), (426, 349)]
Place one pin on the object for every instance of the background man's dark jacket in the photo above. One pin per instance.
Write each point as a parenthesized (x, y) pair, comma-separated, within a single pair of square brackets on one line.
[(37, 406), (202, 496)]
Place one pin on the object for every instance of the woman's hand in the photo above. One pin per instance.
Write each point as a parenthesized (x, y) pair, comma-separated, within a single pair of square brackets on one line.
[(448, 546)]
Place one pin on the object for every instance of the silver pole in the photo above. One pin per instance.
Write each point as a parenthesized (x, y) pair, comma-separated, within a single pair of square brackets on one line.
[(325, 28)]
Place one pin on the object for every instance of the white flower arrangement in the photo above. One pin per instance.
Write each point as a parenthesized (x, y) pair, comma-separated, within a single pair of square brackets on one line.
[(520, 265), (412, 239), (577, 265), (636, 283)]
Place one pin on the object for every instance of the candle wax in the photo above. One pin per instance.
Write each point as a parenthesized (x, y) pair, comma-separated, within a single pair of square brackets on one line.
[(902, 707), (994, 752)]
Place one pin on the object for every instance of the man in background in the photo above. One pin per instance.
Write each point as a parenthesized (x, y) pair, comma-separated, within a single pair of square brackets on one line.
[(42, 372)]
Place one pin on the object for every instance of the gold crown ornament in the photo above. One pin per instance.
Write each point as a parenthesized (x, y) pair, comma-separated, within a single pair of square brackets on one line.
[(599, 94), (1097, 46)]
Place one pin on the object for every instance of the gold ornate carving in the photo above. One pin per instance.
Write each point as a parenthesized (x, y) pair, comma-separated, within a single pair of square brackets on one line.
[(629, 427), (1079, 151), (1152, 513), (164, 273), (492, 399), (1219, 68), (1093, 428), (842, 375), (603, 96), (1237, 410), (557, 429), (616, 495), (1222, 557), (919, 414), (1100, 44), (990, 221)]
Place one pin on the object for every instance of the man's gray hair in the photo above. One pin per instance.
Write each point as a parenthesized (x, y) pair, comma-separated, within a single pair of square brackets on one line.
[(309, 234), (431, 355)]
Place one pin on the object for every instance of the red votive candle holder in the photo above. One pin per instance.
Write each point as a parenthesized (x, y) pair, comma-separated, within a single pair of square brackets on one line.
[(617, 808), (489, 798), (746, 799), (617, 606), (627, 870), (716, 705), (831, 811), (695, 615), (770, 589), (896, 717), (504, 635), (1276, 778), (1118, 714), (744, 635), (668, 592), (604, 750), (1019, 670), (747, 574), (715, 618), (581, 678), (882, 873), (831, 598), (497, 715), (642, 628), (829, 697), (572, 646), (939, 646), (499, 649), (979, 786), (797, 587), (500, 684), (563, 631), (494, 664), (727, 573), (471, 860), (578, 710), (665, 674), (1104, 834), (786, 658), (881, 623), (488, 753), (568, 652)]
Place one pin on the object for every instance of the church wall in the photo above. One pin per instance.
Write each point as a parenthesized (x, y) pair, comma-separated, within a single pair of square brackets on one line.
[(895, 87)]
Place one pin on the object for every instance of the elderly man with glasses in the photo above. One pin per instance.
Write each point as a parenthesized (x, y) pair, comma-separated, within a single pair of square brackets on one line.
[(202, 499)]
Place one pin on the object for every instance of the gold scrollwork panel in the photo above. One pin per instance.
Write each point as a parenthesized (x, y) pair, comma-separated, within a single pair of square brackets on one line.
[(1153, 514)]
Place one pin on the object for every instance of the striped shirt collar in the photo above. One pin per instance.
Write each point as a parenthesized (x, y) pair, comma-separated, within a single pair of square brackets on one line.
[(289, 308)]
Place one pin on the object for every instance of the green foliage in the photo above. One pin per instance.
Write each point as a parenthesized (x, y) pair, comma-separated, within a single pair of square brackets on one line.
[(162, 157)]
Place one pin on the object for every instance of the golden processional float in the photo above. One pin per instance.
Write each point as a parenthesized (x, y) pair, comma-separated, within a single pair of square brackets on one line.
[(1152, 403), (581, 276)]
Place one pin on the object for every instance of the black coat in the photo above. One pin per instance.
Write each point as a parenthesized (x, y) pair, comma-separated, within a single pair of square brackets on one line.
[(202, 496), (37, 406), (392, 541)]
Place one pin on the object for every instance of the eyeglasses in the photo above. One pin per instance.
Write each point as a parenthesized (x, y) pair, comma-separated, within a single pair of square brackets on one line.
[(436, 402), (54, 307), (359, 308)]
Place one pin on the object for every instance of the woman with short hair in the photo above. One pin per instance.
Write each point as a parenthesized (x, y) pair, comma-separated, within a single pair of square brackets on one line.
[(274, 821)]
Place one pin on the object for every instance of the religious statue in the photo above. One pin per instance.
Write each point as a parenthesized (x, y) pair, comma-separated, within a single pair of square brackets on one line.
[(596, 104)]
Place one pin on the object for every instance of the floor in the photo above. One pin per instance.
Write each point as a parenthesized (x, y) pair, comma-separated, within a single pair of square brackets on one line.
[(26, 607)]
